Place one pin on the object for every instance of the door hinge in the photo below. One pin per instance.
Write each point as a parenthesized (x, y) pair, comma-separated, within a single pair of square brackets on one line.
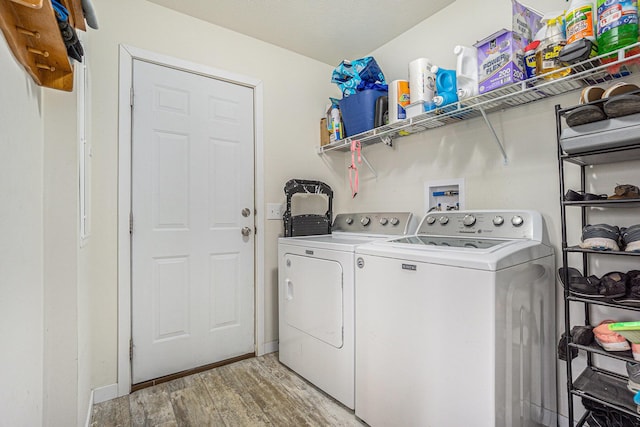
[(130, 350), (130, 222), (131, 97)]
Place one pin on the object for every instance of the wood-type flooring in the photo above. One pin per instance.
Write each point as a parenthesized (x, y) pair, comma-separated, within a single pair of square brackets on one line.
[(253, 392)]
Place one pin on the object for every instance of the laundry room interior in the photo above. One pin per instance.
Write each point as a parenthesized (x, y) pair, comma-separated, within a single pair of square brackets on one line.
[(491, 163)]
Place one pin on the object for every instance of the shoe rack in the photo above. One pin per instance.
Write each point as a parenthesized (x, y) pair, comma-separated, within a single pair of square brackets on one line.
[(600, 380), (32, 33)]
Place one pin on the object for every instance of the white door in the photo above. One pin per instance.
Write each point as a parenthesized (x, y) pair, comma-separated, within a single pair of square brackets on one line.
[(192, 221)]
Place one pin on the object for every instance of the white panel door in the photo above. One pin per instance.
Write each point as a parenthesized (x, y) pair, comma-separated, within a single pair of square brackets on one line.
[(192, 177)]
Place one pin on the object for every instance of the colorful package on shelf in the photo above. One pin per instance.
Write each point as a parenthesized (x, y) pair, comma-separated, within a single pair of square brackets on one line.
[(358, 75), (526, 21), (500, 60)]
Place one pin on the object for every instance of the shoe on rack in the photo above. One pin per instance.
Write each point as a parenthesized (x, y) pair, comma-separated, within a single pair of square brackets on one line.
[(600, 237), (608, 339), (582, 335), (578, 196), (633, 371), (625, 191), (620, 102), (613, 284), (580, 285), (631, 238)]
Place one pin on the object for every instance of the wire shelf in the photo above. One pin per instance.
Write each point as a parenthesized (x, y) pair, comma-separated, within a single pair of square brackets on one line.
[(597, 70)]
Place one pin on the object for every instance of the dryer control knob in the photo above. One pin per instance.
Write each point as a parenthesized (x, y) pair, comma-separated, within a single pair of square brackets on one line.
[(349, 220), (498, 220), (443, 220), (395, 221), (365, 220), (431, 220), (517, 221), (383, 221), (468, 220)]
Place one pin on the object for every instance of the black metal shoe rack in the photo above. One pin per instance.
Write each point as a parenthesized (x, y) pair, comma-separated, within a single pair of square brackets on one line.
[(594, 383)]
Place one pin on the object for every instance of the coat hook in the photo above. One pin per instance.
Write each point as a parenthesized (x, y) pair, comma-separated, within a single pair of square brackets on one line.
[(28, 32), (45, 67), (38, 52)]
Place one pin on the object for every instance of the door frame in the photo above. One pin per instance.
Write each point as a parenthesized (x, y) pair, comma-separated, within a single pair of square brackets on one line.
[(127, 55)]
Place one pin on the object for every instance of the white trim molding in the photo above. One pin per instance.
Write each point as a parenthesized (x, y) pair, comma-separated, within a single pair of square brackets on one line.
[(127, 55)]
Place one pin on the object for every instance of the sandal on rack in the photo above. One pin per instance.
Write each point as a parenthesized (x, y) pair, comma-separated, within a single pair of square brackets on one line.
[(579, 196), (620, 101), (613, 284), (580, 285)]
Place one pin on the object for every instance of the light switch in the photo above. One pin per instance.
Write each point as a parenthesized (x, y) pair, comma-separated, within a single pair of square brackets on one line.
[(275, 210)]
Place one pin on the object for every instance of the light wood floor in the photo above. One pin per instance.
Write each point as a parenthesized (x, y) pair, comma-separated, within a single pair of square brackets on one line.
[(253, 392)]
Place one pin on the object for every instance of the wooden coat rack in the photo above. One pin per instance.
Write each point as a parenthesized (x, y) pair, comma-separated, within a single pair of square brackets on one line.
[(32, 33)]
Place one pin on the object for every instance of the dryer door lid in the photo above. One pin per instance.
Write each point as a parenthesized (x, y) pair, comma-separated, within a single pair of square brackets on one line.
[(313, 300)]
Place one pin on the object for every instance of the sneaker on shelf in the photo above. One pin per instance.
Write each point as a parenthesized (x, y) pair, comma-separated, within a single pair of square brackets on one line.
[(600, 237), (608, 339), (631, 238), (635, 349), (633, 371)]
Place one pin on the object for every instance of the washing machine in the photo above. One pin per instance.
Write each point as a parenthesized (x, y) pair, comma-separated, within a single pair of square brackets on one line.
[(316, 298), (455, 325)]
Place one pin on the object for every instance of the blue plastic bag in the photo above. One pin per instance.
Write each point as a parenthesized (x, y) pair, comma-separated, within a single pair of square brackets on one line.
[(358, 75)]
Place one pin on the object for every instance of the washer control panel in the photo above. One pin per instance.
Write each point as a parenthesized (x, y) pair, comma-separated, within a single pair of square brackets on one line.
[(391, 223), (492, 224)]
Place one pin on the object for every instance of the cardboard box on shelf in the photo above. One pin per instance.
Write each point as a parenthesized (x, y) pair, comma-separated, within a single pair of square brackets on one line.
[(500, 60), (325, 135)]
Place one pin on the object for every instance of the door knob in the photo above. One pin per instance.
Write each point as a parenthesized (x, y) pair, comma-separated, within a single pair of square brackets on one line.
[(245, 231), (246, 212)]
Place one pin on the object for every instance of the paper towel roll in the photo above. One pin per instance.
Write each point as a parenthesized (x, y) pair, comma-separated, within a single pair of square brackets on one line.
[(398, 100), (421, 80)]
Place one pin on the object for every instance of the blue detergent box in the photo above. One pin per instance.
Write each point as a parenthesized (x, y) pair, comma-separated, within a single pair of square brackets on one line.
[(358, 111)]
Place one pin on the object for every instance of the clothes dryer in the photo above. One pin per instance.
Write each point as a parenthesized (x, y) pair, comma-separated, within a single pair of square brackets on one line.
[(455, 326), (316, 298)]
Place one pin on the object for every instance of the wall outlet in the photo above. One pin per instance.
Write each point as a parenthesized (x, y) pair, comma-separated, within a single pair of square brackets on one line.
[(275, 210)]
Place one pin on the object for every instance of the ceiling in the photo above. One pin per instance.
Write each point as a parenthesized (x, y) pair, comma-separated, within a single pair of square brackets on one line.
[(326, 30)]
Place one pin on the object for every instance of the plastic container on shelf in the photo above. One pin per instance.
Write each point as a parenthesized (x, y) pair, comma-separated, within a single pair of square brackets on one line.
[(549, 49), (358, 111), (580, 20), (617, 24), (466, 71)]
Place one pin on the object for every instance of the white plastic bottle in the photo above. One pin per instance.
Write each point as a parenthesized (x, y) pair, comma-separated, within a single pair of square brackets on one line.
[(466, 71), (336, 125), (581, 20)]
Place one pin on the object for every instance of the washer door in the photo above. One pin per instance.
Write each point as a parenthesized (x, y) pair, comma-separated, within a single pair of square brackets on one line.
[(313, 300)]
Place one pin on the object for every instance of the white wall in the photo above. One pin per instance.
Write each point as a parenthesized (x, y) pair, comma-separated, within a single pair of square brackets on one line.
[(295, 92), (21, 250)]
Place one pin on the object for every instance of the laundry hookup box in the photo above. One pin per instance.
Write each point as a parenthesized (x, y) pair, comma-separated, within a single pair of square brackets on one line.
[(500, 60)]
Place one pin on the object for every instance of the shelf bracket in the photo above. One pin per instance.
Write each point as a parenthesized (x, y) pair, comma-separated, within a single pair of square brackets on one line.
[(495, 135), (366, 162)]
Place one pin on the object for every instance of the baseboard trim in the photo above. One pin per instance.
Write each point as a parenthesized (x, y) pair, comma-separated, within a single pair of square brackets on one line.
[(270, 347), (87, 422), (102, 394)]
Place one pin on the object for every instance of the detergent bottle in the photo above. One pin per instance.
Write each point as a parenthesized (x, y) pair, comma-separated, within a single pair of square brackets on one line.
[(617, 24), (466, 71), (446, 87), (549, 49), (580, 19)]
